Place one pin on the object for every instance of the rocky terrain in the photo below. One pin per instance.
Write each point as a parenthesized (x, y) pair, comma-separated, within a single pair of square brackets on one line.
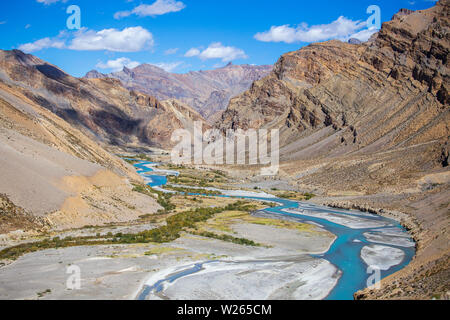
[(367, 125), (53, 175), (362, 126), (101, 108), (207, 92)]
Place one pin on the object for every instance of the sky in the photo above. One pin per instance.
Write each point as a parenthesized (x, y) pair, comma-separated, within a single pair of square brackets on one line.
[(182, 35)]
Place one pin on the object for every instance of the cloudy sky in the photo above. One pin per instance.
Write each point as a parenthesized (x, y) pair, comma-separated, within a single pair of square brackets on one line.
[(182, 35)]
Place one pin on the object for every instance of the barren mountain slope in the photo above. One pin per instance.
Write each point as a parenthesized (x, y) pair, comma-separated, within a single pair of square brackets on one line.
[(101, 108), (367, 125), (208, 92), (52, 175), (387, 93)]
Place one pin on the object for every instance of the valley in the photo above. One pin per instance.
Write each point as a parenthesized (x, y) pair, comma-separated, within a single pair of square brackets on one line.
[(242, 240), (352, 203)]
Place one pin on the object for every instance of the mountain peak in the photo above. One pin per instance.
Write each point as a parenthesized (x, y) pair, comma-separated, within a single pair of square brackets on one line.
[(94, 74), (21, 57), (402, 12), (354, 41), (126, 70), (146, 67)]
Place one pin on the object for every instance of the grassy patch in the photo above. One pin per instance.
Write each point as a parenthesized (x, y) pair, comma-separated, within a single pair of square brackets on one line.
[(224, 221), (160, 250), (280, 224)]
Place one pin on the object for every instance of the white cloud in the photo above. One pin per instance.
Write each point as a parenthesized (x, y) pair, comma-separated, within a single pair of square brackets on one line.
[(364, 34), (339, 29), (42, 44), (171, 51), (47, 2), (158, 8), (122, 14), (217, 51), (127, 40), (192, 52), (168, 66), (118, 64)]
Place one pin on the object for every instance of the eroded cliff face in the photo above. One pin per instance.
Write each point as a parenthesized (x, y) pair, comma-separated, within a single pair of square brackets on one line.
[(101, 108), (285, 99), (386, 99), (367, 126), (207, 92), (387, 93)]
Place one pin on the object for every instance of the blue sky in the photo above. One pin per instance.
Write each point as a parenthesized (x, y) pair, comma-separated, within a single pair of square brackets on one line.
[(181, 35)]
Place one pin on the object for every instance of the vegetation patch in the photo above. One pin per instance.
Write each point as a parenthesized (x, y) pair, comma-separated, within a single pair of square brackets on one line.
[(223, 222), (162, 198), (227, 238), (43, 293), (193, 190), (131, 161), (161, 250), (198, 178), (175, 224), (284, 224), (296, 196), (137, 158)]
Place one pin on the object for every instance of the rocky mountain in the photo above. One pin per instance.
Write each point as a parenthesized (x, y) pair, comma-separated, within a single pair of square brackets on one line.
[(101, 108), (53, 175), (367, 126), (335, 98), (208, 92), (55, 131)]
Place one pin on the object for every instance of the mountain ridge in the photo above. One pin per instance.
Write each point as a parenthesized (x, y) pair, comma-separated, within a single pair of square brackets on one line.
[(101, 108), (208, 91)]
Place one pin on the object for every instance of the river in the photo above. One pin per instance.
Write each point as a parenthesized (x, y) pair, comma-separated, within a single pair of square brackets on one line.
[(354, 231)]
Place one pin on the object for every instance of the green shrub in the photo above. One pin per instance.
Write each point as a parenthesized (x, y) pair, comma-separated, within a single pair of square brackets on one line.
[(227, 238), (309, 196)]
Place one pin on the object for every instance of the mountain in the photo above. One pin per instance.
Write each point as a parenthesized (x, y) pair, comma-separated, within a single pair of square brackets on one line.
[(367, 126), (208, 92), (94, 74), (52, 174), (335, 99), (101, 108)]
